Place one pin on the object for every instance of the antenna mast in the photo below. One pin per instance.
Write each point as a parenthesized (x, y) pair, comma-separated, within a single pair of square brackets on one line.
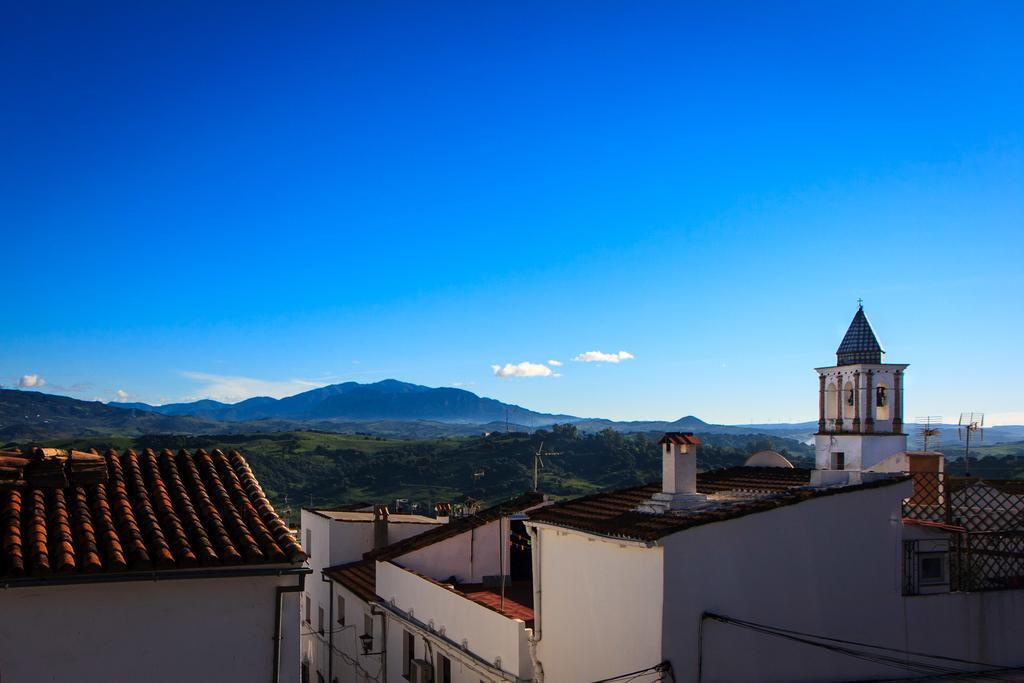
[(928, 431), (538, 461), (970, 422)]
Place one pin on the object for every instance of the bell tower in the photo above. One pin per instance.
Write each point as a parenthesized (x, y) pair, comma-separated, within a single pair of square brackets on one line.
[(860, 403)]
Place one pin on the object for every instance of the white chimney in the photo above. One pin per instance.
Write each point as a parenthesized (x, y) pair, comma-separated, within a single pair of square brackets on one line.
[(678, 474)]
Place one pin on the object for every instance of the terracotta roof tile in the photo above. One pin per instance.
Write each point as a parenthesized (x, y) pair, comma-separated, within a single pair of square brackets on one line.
[(62, 543), (85, 532), (12, 559), (680, 438), (72, 513)]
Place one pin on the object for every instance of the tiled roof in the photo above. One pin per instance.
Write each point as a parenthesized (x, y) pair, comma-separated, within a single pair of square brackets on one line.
[(613, 513), (752, 479), (137, 512), (457, 526), (684, 438), (518, 602), (359, 577), (860, 344)]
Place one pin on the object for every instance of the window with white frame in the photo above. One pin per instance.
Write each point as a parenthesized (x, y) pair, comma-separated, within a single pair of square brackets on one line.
[(320, 619), (340, 611), (309, 610), (309, 542)]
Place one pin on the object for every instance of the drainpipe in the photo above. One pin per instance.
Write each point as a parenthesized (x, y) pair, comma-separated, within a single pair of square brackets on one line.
[(281, 590), (538, 668), (330, 628), (383, 640)]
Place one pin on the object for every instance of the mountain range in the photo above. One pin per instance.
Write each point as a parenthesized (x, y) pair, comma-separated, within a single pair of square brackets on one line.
[(385, 400), (387, 408)]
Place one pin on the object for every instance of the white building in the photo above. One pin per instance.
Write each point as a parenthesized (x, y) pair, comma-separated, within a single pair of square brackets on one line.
[(429, 604), (163, 568), (334, 537)]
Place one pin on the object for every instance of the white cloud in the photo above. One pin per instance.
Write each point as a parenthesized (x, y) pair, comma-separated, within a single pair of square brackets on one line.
[(30, 382), (122, 395), (233, 389), (600, 357), (555, 363), (523, 369)]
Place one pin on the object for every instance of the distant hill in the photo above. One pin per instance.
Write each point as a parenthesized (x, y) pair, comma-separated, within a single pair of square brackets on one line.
[(351, 401), (31, 415), (389, 408)]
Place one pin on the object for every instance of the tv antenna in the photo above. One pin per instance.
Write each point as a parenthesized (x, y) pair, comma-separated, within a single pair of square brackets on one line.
[(970, 423), (538, 460), (928, 431)]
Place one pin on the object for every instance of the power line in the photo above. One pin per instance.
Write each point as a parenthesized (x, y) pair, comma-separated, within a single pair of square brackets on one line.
[(663, 668), (813, 640)]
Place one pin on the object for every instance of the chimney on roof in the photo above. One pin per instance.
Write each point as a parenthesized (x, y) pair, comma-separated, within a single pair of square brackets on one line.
[(443, 512), (380, 526), (678, 474)]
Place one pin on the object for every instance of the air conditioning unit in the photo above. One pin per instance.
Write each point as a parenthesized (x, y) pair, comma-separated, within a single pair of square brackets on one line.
[(421, 671)]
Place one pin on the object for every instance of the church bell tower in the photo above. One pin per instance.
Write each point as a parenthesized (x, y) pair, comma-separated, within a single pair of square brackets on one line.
[(860, 404)]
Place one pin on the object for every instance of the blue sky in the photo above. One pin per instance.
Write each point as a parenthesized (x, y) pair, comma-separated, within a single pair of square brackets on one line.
[(256, 198)]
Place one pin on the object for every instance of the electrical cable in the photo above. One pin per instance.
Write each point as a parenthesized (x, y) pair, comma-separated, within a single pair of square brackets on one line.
[(633, 675), (310, 631), (888, 660)]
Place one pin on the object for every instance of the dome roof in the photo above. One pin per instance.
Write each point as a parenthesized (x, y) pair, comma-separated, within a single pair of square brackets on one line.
[(767, 459)]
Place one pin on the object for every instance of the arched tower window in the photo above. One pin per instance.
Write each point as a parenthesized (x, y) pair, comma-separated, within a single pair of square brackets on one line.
[(849, 398), (830, 402), (881, 401)]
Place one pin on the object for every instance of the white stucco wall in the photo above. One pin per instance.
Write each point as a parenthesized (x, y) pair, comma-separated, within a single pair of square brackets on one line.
[(470, 556), (831, 566), (861, 451), (487, 634), (158, 632), (350, 664), (600, 607)]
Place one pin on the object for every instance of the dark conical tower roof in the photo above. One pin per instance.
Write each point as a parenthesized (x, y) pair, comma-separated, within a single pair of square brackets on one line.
[(860, 345)]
